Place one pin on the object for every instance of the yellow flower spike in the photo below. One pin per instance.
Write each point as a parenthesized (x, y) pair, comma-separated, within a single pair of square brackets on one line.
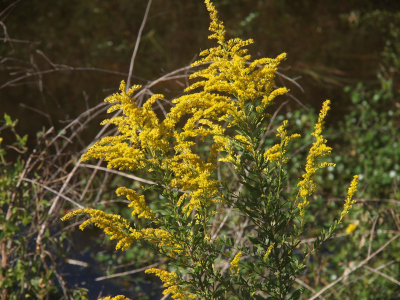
[(277, 152), (138, 203), (113, 225), (216, 25), (349, 202), (268, 99), (268, 252), (119, 297), (234, 268), (351, 228), (139, 128), (318, 150), (170, 280)]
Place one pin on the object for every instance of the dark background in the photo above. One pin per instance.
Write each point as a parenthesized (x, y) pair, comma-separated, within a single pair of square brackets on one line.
[(327, 47)]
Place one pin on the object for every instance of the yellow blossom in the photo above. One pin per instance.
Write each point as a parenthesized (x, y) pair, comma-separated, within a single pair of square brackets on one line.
[(318, 150), (118, 228), (349, 202), (277, 152), (228, 84), (351, 228), (113, 225), (170, 280), (120, 297), (268, 252), (138, 203), (234, 268)]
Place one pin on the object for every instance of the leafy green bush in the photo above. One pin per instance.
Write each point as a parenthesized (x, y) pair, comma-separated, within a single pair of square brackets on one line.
[(364, 257), (28, 268)]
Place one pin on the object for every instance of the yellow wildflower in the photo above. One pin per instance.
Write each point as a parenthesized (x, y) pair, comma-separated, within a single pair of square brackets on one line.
[(277, 152), (234, 268), (349, 202), (138, 203), (351, 228), (119, 297), (170, 280), (113, 225), (318, 150), (268, 252)]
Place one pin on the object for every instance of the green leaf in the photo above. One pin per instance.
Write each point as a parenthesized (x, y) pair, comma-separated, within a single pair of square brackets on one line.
[(218, 293), (296, 295), (8, 120), (26, 221), (254, 241), (22, 141)]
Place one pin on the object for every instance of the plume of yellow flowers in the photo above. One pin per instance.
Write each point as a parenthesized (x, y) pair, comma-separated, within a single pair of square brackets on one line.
[(277, 152), (268, 252), (351, 227), (349, 202), (170, 283), (234, 268), (144, 142), (119, 297), (137, 202), (318, 150), (113, 225), (118, 228)]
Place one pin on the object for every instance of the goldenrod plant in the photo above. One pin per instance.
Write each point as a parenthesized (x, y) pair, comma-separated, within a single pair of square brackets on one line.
[(227, 108)]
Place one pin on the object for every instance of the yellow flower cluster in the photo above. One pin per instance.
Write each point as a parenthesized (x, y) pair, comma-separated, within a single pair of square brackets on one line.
[(351, 228), (234, 268), (138, 203), (231, 73), (268, 252), (349, 202), (139, 132), (318, 150), (145, 142), (113, 225), (118, 228), (119, 297), (278, 151), (170, 280)]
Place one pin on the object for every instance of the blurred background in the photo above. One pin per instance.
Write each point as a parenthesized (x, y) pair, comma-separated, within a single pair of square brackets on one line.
[(61, 58)]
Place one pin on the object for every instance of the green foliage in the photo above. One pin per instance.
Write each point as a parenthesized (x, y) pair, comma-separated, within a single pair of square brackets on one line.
[(365, 143), (28, 271)]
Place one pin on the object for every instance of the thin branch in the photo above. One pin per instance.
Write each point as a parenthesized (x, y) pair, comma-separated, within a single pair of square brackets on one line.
[(379, 231), (127, 272), (290, 79), (371, 236), (53, 191), (165, 296), (28, 74), (128, 84), (382, 274), (358, 278), (357, 267), (118, 173), (302, 283)]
